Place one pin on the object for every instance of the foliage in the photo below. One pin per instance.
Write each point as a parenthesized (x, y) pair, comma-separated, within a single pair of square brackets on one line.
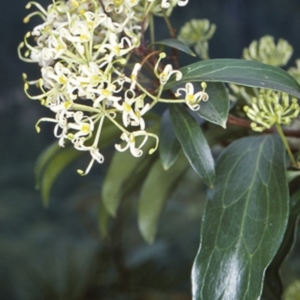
[(249, 219)]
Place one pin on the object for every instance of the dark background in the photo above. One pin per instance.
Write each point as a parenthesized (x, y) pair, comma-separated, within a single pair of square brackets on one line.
[(57, 253)]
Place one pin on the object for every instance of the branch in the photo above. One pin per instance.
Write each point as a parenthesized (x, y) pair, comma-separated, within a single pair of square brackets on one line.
[(233, 120)]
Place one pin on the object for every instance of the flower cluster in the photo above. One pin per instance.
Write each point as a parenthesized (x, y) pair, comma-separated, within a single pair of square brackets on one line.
[(85, 50), (295, 71), (266, 51), (197, 33), (271, 108)]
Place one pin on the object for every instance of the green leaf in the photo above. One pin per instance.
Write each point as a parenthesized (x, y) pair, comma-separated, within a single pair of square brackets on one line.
[(155, 191), (124, 173), (244, 72), (216, 109), (169, 146), (55, 159), (291, 175), (273, 285), (176, 44), (57, 163), (244, 220), (103, 219), (42, 162), (193, 143)]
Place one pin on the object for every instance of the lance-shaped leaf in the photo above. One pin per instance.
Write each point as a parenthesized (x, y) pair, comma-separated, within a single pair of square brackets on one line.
[(54, 159), (244, 72), (169, 146), (55, 166), (154, 194), (42, 162), (273, 284), (244, 220), (124, 173), (193, 143), (216, 109), (176, 44), (103, 219)]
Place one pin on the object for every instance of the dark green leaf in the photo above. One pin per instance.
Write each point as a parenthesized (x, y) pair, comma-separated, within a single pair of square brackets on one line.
[(57, 163), (244, 72), (176, 44), (216, 109), (124, 173), (244, 220), (273, 285), (155, 191), (193, 143), (169, 146)]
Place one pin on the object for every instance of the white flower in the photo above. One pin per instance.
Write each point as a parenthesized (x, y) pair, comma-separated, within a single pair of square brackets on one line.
[(106, 92), (55, 76), (132, 116), (83, 125), (129, 138), (134, 74), (192, 99), (95, 154), (168, 71)]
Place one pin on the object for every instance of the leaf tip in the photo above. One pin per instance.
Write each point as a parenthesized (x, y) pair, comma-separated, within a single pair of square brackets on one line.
[(112, 212), (166, 167), (149, 239), (45, 202)]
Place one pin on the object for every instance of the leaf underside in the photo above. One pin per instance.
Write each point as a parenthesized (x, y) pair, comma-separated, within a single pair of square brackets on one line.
[(175, 44)]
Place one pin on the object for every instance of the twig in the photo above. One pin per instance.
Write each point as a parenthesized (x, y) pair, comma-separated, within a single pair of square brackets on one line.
[(233, 120)]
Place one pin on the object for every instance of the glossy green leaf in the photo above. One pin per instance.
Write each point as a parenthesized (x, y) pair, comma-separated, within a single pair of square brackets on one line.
[(193, 143), (244, 72), (169, 146), (216, 109), (58, 162), (176, 44), (244, 220), (155, 192), (273, 284), (124, 173)]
